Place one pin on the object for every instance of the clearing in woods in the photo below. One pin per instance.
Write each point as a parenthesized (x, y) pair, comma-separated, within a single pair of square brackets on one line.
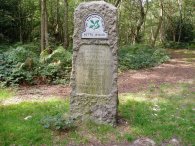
[(156, 103), (180, 69)]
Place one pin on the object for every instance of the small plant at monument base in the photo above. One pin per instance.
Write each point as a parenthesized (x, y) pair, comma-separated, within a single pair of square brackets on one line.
[(129, 137), (58, 123)]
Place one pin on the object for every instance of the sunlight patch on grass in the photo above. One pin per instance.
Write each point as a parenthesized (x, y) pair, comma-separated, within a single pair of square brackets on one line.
[(164, 112), (123, 98), (159, 113), (6, 93), (185, 51), (14, 129), (162, 93)]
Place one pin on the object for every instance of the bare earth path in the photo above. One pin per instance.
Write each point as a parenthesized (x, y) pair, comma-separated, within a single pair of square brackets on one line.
[(180, 69)]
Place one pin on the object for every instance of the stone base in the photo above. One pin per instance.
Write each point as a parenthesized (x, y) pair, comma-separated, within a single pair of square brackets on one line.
[(100, 109)]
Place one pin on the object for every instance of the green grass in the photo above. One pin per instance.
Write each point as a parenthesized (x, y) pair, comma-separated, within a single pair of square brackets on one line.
[(14, 129), (5, 93), (160, 113)]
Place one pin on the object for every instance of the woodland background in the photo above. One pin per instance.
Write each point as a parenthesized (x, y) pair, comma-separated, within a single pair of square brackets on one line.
[(35, 35)]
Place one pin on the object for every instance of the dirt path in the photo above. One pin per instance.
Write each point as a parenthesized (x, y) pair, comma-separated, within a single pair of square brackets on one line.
[(180, 69)]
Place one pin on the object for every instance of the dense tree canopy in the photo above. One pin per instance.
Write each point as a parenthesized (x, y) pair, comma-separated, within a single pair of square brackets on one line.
[(147, 21)]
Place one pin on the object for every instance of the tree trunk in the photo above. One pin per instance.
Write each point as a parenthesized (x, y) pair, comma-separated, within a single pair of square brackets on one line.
[(152, 34), (20, 20), (42, 25), (180, 15), (66, 42), (161, 35), (46, 28), (141, 20), (159, 23)]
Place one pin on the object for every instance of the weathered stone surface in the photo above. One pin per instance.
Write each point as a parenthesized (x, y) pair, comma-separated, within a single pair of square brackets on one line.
[(172, 142), (94, 93), (144, 142), (94, 65)]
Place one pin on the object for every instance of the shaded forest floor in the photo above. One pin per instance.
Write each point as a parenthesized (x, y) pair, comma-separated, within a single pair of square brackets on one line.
[(180, 69)]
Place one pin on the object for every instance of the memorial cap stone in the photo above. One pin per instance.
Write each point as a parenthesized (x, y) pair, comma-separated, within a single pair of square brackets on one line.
[(94, 93)]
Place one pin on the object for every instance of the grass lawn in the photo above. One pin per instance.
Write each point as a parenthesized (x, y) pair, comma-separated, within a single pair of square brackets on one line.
[(5, 93), (160, 113)]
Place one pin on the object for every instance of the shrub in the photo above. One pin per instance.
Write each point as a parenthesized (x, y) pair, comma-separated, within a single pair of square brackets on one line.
[(187, 30), (191, 46), (58, 122), (22, 66), (56, 67), (175, 45), (140, 56), (17, 66), (179, 45), (19, 55)]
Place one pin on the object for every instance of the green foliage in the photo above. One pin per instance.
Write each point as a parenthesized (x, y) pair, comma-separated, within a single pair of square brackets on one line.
[(175, 45), (32, 46), (58, 122), (161, 113), (141, 56), (17, 66), (129, 137), (5, 93), (20, 20), (56, 67), (18, 55), (17, 22), (186, 27), (191, 46), (179, 45), (22, 66), (14, 129)]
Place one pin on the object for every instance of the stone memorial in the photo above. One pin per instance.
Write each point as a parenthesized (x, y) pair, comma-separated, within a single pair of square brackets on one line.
[(94, 93)]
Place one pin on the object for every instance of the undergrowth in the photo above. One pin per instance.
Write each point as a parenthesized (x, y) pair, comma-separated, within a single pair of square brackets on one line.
[(24, 65), (21, 66), (141, 56)]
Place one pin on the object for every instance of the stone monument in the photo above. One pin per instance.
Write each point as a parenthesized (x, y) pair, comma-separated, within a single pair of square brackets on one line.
[(94, 93)]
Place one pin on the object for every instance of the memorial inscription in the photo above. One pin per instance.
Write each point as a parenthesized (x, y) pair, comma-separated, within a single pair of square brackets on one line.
[(94, 70)]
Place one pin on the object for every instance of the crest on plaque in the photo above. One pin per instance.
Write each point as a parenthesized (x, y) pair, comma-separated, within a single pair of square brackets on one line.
[(94, 27)]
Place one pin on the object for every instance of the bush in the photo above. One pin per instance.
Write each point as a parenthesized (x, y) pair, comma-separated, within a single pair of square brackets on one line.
[(175, 45), (32, 47), (191, 46), (19, 55), (58, 122), (22, 66), (187, 30), (17, 66), (56, 67), (141, 56), (179, 45)]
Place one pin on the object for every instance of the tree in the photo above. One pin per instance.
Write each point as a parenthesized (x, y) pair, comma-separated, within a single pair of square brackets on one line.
[(66, 39), (44, 27), (141, 20), (159, 23)]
